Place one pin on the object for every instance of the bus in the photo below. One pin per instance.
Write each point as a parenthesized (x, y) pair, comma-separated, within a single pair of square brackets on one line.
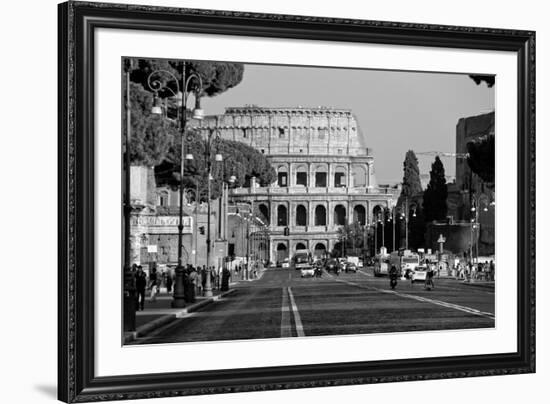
[(403, 260), (302, 260), (381, 264)]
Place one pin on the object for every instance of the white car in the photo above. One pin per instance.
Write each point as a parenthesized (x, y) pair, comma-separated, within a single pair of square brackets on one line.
[(285, 264), (305, 272), (419, 274)]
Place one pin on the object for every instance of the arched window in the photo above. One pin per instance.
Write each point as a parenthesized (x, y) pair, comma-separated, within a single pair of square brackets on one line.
[(320, 250), (340, 177), (320, 215), (300, 246), (339, 215), (359, 174), (282, 216), (282, 177), (301, 176), (301, 215), (264, 211), (359, 214), (282, 253)]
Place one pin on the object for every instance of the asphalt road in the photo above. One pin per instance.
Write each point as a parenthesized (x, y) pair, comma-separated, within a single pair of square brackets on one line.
[(281, 304)]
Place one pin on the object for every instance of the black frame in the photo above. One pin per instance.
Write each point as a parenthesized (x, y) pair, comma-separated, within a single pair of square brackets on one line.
[(77, 22)]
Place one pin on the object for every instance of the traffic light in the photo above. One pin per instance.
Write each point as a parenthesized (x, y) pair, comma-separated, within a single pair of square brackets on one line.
[(202, 230)]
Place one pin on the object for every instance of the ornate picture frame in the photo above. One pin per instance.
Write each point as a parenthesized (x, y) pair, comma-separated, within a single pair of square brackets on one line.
[(79, 22)]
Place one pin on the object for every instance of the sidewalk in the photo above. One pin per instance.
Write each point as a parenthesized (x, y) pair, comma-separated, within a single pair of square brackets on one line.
[(160, 312)]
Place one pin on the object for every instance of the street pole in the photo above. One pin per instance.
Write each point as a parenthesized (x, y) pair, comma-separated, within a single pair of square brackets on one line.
[(247, 248), (179, 287), (129, 286), (383, 225), (376, 234), (208, 284), (393, 228), (406, 223), (196, 224)]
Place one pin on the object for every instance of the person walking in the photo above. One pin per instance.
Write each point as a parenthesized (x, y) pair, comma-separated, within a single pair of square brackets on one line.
[(169, 281), (141, 284), (193, 276), (153, 284), (226, 275)]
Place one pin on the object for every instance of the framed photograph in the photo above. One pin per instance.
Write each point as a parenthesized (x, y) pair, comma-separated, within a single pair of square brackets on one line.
[(258, 201)]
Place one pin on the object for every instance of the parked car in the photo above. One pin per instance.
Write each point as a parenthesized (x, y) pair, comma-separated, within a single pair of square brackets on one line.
[(286, 263)]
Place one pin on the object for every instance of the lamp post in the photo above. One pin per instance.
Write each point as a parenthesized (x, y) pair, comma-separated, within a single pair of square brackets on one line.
[(405, 215), (209, 144), (477, 201), (156, 82), (129, 286)]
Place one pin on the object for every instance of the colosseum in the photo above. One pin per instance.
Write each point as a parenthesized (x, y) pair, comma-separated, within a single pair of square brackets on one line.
[(325, 176)]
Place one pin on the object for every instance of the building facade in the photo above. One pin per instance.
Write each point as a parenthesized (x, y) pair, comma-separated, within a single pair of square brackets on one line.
[(325, 176)]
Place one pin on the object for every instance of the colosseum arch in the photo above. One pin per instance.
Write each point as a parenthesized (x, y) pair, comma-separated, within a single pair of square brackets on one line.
[(359, 175), (301, 215), (301, 175), (282, 215), (320, 215), (339, 215), (359, 214), (340, 176), (264, 211)]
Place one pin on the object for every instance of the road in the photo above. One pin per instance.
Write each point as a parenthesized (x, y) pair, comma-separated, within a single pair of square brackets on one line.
[(282, 304)]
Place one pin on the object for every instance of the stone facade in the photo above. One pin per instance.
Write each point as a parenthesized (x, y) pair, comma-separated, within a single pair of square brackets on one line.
[(325, 174), (154, 225)]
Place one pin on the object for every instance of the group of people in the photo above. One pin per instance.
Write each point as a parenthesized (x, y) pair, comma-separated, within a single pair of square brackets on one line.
[(194, 282), (481, 271)]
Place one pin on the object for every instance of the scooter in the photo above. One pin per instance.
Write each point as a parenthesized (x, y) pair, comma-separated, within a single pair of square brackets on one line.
[(393, 282)]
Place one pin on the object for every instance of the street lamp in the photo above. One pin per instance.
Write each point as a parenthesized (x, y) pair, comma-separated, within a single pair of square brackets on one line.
[(157, 82), (209, 143), (405, 215), (129, 286), (477, 202)]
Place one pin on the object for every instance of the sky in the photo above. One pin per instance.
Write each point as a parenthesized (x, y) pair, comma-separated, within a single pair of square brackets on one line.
[(396, 110)]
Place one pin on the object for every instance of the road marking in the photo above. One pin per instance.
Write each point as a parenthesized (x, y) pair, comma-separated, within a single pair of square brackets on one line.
[(297, 319), (285, 317), (426, 300)]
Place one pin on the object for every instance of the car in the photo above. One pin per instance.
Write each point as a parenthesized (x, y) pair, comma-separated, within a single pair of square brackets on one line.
[(306, 272), (285, 264), (332, 265), (419, 274), (351, 267)]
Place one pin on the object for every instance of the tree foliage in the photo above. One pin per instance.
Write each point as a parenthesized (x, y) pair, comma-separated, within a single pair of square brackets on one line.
[(239, 160), (217, 77), (411, 177), (151, 136), (481, 158), (434, 203), (479, 78)]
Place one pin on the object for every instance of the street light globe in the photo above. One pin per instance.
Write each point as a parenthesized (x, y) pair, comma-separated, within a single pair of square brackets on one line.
[(232, 179), (219, 157), (198, 114), (156, 110), (188, 156)]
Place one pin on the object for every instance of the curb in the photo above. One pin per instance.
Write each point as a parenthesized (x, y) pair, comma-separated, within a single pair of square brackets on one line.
[(480, 285), (167, 318)]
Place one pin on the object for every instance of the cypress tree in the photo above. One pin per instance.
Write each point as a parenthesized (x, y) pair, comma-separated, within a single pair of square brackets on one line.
[(435, 196)]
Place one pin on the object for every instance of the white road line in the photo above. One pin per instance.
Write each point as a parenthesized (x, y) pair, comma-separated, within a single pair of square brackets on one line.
[(285, 317), (428, 300), (297, 319)]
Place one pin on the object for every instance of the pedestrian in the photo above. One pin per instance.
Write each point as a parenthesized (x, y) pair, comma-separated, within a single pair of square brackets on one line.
[(153, 283), (203, 278), (169, 281), (226, 275), (141, 284), (192, 283)]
